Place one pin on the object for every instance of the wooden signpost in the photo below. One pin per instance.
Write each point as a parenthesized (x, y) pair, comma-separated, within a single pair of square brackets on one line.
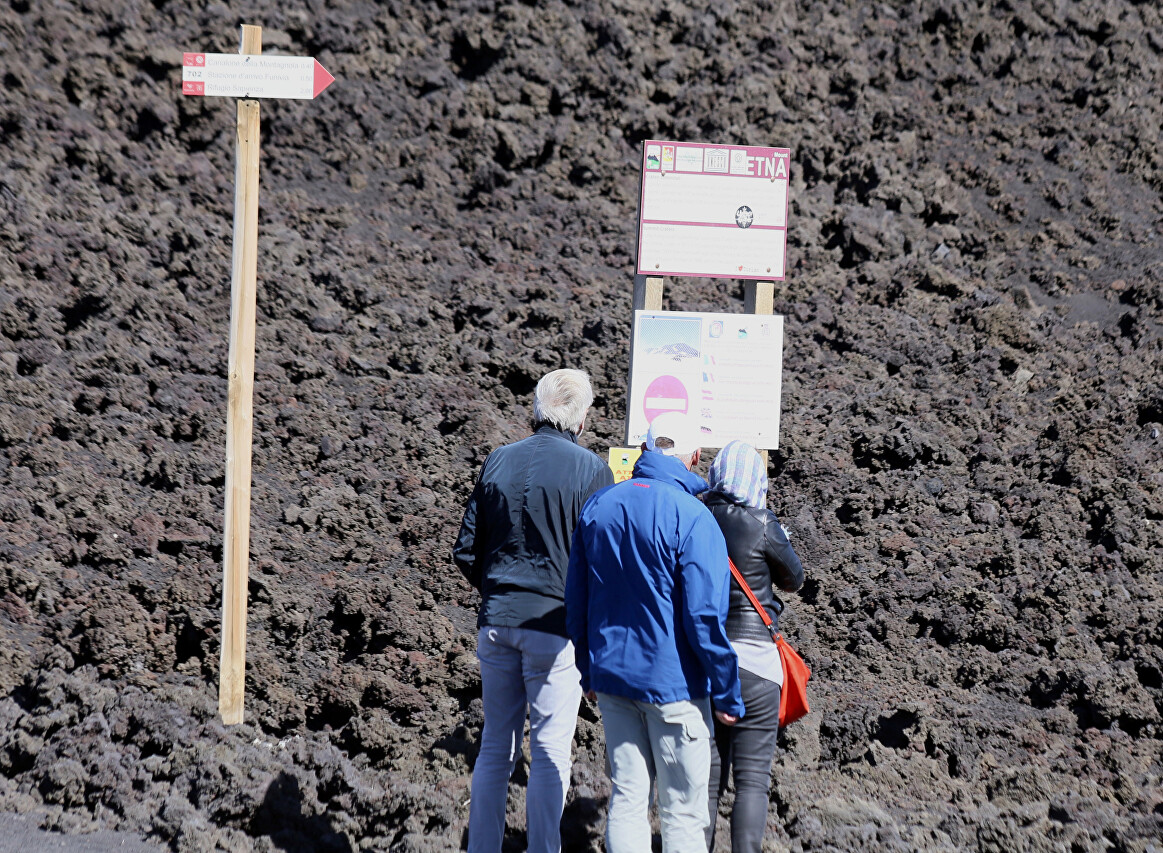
[(246, 76), (713, 211)]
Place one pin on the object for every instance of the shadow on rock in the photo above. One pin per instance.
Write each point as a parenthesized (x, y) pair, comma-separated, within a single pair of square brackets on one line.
[(281, 818), (583, 824)]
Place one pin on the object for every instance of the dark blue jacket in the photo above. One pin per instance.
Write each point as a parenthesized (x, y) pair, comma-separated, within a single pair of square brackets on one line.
[(647, 591), (514, 540)]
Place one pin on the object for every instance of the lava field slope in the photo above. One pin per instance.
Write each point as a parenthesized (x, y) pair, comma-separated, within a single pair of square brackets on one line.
[(970, 461)]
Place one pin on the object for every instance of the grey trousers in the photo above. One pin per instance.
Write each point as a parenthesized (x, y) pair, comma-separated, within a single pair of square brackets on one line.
[(665, 744)]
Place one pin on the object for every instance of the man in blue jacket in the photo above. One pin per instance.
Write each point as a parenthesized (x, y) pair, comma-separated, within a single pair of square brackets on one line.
[(514, 547), (646, 599)]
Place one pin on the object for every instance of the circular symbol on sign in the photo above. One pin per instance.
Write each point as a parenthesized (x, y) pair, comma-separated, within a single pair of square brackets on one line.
[(665, 394), (744, 217)]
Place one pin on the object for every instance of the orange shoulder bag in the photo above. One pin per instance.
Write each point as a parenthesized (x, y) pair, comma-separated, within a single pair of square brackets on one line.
[(793, 698)]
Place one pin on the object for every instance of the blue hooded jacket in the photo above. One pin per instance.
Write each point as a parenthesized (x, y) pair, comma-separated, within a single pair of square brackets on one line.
[(647, 591)]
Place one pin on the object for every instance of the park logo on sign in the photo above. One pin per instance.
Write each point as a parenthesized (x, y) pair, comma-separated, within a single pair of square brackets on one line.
[(716, 160)]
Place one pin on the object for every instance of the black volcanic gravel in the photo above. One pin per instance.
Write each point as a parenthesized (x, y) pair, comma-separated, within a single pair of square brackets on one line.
[(972, 408)]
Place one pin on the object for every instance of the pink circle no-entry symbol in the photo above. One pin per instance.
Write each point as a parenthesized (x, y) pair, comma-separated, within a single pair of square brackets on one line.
[(665, 394)]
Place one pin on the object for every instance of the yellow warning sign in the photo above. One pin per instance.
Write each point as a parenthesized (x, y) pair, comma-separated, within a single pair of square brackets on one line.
[(622, 461)]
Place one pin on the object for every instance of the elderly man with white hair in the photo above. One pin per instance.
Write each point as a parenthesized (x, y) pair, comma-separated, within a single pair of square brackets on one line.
[(514, 547)]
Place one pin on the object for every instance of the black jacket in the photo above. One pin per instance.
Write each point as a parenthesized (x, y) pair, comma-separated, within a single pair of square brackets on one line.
[(514, 540), (760, 550)]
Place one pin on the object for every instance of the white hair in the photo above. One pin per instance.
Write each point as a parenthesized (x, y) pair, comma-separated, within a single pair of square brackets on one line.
[(562, 398)]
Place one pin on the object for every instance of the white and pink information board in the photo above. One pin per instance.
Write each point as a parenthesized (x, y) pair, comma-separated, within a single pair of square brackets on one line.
[(718, 211), (723, 370)]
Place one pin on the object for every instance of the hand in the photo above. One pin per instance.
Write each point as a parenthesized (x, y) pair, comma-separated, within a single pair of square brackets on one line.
[(592, 695), (725, 718)]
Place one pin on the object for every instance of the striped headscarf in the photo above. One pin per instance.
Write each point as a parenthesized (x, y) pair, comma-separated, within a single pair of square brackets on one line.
[(738, 472)]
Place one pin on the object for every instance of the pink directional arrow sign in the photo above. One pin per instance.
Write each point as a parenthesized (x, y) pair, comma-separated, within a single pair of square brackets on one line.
[(240, 75)]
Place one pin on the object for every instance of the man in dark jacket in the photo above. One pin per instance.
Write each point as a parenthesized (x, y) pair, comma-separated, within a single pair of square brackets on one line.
[(646, 599), (514, 547)]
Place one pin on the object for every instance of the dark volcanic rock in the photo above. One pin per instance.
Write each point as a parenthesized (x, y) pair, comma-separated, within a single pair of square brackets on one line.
[(970, 465)]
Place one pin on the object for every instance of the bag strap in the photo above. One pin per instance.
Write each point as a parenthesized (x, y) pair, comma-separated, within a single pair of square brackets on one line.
[(763, 614)]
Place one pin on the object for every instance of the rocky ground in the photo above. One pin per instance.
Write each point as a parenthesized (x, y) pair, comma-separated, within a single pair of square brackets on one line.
[(970, 461)]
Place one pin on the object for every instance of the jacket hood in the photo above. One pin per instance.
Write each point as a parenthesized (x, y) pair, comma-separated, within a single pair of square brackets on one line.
[(668, 469)]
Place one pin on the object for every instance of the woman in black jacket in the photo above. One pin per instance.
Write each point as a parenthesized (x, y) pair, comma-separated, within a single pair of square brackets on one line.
[(759, 547)]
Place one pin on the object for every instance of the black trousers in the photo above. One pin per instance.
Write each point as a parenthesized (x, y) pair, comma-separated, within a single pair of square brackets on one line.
[(746, 750)]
